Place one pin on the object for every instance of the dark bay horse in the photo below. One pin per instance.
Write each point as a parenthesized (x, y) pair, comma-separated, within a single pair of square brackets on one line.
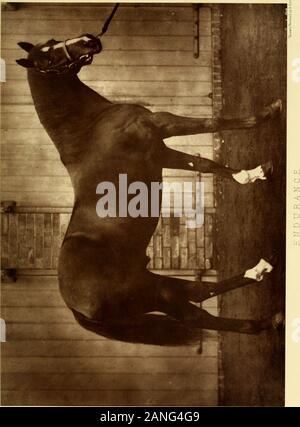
[(102, 270)]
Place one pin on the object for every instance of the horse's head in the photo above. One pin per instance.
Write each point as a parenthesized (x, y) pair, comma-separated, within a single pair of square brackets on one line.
[(60, 57)]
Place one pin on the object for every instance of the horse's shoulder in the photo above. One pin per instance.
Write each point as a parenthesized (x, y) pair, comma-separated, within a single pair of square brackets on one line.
[(125, 112), (126, 120)]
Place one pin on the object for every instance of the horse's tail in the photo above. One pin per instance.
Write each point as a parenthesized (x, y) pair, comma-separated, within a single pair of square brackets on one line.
[(151, 329)]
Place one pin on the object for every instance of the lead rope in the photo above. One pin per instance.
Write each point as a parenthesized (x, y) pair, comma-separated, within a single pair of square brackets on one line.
[(108, 21)]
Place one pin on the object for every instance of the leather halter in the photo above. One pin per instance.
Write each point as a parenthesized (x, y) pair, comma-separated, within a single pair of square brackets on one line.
[(73, 62), (64, 68), (67, 53)]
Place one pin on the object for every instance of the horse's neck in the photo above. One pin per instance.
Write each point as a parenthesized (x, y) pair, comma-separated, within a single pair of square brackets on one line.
[(67, 108)]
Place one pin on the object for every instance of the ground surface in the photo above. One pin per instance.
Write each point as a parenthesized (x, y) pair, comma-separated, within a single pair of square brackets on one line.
[(251, 219)]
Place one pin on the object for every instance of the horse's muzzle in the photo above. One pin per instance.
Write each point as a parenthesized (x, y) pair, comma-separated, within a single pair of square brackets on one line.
[(96, 45)]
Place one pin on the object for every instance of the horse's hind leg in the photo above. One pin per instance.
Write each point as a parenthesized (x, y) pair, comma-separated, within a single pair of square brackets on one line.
[(198, 291), (175, 305), (144, 328), (180, 325), (196, 317), (183, 319)]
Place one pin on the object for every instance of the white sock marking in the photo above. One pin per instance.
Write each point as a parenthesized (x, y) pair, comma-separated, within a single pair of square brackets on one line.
[(251, 175), (257, 272)]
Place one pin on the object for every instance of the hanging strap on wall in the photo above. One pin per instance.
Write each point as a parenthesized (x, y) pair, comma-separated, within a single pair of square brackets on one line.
[(196, 31)]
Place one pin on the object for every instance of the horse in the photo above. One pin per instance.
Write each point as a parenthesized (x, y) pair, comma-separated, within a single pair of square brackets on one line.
[(102, 269)]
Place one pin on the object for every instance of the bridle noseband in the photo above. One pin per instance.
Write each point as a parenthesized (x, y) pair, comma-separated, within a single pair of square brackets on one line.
[(64, 68), (66, 50)]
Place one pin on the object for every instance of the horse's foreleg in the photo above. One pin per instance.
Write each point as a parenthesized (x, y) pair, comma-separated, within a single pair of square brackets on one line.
[(174, 159), (169, 125)]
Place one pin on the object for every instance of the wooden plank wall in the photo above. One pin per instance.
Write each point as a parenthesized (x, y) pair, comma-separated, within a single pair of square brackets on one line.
[(147, 59), (49, 359), (33, 240)]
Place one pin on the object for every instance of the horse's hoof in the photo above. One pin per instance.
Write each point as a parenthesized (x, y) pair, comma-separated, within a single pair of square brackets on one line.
[(276, 107), (278, 321), (268, 169), (272, 259), (262, 172)]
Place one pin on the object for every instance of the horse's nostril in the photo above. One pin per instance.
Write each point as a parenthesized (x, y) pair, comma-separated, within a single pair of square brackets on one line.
[(99, 46), (94, 45)]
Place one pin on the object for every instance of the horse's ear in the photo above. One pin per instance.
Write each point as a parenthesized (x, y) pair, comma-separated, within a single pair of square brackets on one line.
[(27, 63), (26, 46)]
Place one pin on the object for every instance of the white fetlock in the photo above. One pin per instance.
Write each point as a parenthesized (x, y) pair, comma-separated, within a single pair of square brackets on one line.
[(256, 173), (249, 176), (257, 272), (242, 177)]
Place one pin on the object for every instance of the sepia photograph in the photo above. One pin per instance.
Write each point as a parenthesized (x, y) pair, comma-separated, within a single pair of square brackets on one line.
[(143, 204)]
